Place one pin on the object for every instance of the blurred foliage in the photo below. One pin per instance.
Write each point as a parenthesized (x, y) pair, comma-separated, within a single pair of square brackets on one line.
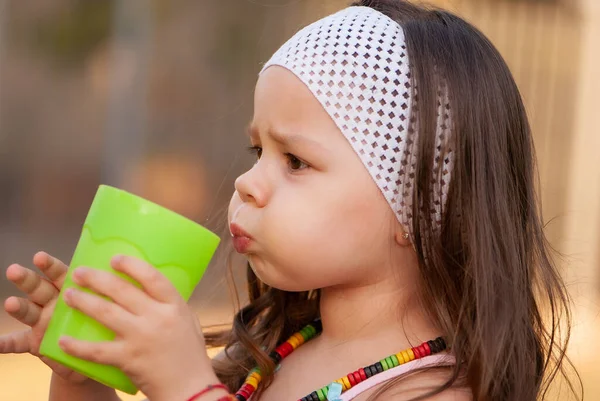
[(239, 34), (74, 33)]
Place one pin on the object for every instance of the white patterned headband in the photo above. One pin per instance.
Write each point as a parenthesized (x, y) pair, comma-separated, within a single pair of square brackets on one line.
[(356, 64)]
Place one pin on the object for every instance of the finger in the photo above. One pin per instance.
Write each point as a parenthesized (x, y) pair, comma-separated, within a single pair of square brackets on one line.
[(15, 343), (197, 324), (116, 288), (151, 279), (104, 352), (37, 288), (53, 268), (23, 310), (104, 311)]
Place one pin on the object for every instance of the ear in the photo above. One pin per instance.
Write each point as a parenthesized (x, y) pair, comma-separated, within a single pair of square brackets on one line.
[(401, 236)]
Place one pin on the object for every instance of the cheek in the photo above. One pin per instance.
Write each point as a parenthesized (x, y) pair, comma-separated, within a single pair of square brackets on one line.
[(234, 203), (324, 240)]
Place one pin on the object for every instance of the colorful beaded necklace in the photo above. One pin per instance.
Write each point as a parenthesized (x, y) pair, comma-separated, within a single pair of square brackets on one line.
[(350, 380)]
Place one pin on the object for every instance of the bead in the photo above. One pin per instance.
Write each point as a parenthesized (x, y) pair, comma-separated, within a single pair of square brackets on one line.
[(352, 379), (346, 383), (280, 353), (318, 326), (304, 334), (334, 391), (427, 349), (252, 381), (285, 349), (275, 357)]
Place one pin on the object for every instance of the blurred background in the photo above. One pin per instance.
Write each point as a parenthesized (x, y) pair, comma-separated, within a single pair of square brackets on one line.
[(153, 96)]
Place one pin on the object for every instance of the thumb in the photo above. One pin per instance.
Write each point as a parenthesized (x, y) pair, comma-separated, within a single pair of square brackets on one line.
[(15, 343)]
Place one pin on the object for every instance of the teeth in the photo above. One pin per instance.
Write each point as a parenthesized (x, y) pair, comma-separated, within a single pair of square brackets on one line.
[(235, 214)]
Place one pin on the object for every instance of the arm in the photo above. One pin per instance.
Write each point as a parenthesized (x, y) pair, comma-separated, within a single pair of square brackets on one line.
[(89, 390)]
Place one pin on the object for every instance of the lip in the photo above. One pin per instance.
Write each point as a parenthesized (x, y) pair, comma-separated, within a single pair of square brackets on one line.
[(241, 239), (237, 231)]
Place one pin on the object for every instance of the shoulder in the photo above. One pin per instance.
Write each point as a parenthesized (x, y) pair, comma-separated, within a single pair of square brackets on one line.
[(413, 386)]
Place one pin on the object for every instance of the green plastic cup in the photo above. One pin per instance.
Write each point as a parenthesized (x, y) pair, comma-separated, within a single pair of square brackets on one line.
[(121, 223)]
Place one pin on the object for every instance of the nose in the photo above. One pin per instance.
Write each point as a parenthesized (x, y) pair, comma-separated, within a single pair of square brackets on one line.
[(252, 188)]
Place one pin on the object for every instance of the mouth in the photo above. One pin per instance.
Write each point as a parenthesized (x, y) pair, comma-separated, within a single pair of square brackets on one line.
[(241, 239)]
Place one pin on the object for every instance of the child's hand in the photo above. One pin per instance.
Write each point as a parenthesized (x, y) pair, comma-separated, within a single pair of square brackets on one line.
[(158, 343), (35, 310)]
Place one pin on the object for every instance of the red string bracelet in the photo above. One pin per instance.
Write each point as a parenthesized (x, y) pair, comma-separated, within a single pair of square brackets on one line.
[(208, 389)]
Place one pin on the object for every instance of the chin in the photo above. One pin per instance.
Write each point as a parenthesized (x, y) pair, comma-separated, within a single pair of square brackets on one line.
[(277, 279)]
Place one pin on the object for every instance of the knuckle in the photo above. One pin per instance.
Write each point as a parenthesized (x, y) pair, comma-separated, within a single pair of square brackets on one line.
[(154, 276), (104, 309), (23, 309), (97, 354), (135, 353), (119, 285)]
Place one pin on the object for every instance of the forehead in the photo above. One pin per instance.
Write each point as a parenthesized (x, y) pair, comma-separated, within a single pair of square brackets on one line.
[(283, 103)]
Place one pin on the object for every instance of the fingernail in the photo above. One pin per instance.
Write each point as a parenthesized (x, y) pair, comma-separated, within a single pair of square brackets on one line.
[(63, 341), (117, 259), (69, 294), (78, 273)]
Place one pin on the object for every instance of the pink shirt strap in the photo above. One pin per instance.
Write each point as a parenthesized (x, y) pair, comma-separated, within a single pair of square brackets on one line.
[(428, 361)]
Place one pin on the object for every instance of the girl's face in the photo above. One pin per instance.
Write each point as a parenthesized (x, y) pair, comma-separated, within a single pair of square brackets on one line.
[(314, 215)]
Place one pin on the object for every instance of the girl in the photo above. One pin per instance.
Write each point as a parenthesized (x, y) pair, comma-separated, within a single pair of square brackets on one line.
[(391, 230)]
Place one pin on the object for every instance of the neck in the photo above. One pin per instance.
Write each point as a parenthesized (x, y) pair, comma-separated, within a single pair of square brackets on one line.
[(383, 314)]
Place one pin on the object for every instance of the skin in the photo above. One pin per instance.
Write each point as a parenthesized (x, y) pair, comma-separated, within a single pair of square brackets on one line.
[(317, 220)]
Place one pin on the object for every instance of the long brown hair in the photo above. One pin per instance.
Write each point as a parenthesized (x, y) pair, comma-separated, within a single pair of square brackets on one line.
[(491, 284)]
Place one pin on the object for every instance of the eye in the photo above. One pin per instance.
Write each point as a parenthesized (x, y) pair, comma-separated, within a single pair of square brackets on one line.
[(255, 150), (294, 163)]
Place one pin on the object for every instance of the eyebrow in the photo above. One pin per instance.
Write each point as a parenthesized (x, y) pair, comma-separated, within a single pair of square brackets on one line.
[(285, 139)]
